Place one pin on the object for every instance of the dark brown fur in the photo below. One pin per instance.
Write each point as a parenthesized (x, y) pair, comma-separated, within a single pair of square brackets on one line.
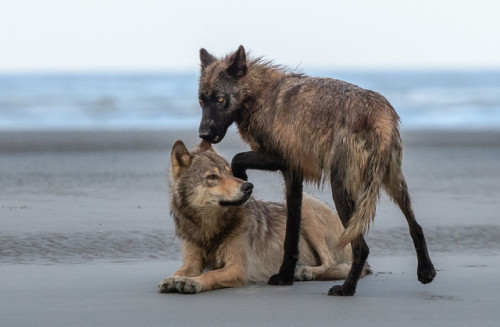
[(319, 129)]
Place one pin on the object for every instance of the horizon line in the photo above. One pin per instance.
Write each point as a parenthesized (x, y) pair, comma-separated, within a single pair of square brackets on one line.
[(191, 70)]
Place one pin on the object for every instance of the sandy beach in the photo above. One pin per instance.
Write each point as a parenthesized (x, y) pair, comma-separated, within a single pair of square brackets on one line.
[(86, 236)]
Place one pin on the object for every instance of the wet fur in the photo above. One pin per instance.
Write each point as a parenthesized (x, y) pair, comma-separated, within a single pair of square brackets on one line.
[(317, 130), (227, 246)]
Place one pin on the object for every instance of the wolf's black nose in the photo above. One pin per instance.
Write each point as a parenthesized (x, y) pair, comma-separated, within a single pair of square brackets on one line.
[(205, 134), (247, 187)]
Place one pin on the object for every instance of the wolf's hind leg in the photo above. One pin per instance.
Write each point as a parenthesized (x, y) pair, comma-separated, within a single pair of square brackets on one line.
[(320, 239), (398, 190), (345, 203), (323, 272)]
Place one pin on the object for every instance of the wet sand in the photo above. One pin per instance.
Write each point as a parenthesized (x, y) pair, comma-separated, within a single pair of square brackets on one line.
[(86, 236), (465, 293)]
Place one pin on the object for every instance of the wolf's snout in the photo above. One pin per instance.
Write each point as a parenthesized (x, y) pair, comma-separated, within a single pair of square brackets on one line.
[(247, 187)]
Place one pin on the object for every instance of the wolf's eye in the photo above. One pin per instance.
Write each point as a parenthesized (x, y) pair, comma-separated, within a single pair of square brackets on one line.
[(220, 99), (212, 177)]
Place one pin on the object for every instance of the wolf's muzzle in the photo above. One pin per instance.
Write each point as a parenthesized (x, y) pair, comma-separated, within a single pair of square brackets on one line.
[(246, 188), (209, 136)]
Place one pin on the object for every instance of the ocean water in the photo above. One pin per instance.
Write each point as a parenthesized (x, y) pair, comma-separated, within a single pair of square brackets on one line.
[(424, 100)]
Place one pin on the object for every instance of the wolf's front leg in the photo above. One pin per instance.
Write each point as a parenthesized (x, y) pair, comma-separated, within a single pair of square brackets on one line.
[(233, 274), (229, 276), (293, 184), (255, 160), (169, 285), (191, 267)]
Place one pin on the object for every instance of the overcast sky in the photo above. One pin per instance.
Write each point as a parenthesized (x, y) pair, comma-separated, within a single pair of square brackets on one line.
[(69, 35)]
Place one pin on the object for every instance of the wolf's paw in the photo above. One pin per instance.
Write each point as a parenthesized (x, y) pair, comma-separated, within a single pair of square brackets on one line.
[(426, 273), (167, 285), (187, 285), (303, 273), (340, 290), (281, 279)]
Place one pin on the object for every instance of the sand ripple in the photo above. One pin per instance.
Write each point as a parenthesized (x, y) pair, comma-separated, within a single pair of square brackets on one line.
[(47, 248)]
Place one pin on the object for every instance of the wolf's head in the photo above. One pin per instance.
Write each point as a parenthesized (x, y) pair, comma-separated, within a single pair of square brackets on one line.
[(203, 180), (220, 92)]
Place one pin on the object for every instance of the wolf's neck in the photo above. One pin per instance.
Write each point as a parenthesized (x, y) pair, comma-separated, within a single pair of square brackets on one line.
[(261, 76), (205, 226)]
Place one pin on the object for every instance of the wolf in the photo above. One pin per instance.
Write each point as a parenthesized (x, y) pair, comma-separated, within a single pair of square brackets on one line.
[(315, 130), (230, 238)]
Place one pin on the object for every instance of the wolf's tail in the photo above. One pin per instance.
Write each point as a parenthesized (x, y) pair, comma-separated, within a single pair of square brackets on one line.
[(365, 206)]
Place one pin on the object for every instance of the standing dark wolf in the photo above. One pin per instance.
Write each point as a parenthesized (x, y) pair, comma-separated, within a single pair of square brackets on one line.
[(317, 130)]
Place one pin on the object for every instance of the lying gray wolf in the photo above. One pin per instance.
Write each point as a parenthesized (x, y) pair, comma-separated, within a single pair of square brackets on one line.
[(317, 130), (229, 238)]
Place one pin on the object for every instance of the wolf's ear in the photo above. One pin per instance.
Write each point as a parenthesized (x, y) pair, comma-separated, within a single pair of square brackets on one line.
[(180, 158), (206, 58), (238, 63), (205, 146)]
